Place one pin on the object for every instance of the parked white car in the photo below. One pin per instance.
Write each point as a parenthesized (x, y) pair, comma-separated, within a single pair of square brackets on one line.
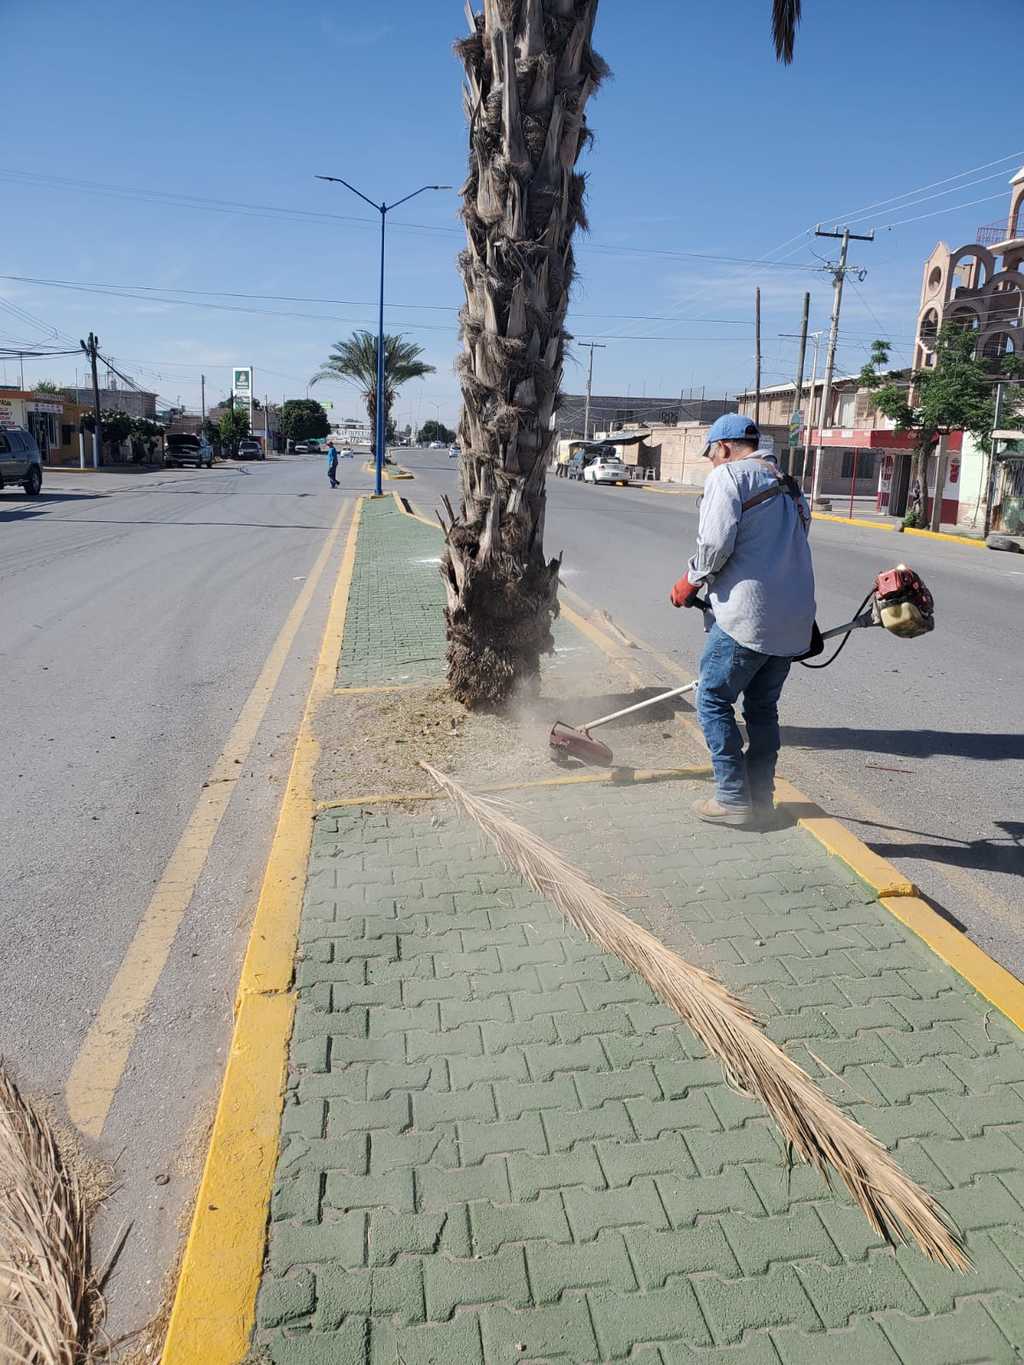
[(606, 469)]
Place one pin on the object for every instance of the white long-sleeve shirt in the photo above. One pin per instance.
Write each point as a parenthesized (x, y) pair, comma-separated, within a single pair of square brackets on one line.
[(757, 563)]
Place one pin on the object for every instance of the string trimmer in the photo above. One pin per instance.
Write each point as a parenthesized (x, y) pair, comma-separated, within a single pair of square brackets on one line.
[(899, 603)]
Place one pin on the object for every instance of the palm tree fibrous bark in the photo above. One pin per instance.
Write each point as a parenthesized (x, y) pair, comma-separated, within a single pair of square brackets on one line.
[(530, 70)]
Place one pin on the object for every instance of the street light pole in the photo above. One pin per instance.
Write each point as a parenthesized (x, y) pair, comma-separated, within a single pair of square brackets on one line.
[(383, 209)]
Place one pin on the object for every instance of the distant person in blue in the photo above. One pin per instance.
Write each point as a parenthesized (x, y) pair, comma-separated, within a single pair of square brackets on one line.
[(754, 560), (332, 464)]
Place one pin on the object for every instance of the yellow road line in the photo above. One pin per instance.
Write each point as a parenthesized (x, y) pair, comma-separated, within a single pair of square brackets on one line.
[(618, 777), (99, 1066), (215, 1303)]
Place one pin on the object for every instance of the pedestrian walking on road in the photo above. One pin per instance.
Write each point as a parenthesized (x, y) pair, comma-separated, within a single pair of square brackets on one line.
[(332, 465), (754, 559)]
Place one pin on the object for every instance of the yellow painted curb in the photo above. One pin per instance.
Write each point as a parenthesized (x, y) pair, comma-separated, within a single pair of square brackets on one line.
[(671, 492), (944, 535), (852, 521), (988, 978), (410, 512), (618, 777), (215, 1301), (904, 530), (389, 475), (884, 879)]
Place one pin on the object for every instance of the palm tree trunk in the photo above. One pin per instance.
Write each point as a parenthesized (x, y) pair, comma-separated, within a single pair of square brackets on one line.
[(530, 70)]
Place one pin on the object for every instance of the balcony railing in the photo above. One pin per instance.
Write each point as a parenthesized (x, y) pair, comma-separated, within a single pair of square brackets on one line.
[(991, 233)]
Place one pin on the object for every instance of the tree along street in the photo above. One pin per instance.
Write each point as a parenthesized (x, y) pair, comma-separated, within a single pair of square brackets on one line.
[(140, 611), (914, 745)]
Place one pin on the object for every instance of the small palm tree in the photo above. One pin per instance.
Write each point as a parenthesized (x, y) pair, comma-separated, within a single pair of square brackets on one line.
[(355, 362)]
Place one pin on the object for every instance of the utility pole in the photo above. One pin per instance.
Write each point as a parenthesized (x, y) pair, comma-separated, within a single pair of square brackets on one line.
[(838, 278), (90, 347), (993, 467), (808, 408), (590, 346), (202, 390), (757, 356), (805, 320)]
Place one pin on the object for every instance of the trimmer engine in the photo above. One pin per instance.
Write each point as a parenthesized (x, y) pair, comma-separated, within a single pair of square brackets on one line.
[(902, 603)]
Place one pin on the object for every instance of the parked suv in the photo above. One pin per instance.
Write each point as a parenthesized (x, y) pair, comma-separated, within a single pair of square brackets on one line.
[(250, 449), (20, 461), (181, 447)]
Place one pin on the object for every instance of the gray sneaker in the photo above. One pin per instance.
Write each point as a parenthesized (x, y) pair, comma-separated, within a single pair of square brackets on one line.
[(712, 810)]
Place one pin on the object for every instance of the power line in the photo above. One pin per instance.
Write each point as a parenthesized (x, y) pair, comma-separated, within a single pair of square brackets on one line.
[(881, 203), (953, 208)]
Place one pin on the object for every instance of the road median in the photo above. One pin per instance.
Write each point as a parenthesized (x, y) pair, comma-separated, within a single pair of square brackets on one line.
[(490, 1140)]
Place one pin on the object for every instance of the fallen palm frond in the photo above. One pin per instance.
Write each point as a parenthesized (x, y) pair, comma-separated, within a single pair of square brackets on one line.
[(897, 1208), (44, 1283)]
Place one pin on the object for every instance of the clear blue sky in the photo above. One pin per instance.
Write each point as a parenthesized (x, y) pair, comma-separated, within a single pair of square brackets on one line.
[(703, 145)]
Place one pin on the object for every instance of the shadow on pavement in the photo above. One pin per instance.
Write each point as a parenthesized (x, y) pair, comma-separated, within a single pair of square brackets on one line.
[(16, 506), (1000, 853), (907, 743)]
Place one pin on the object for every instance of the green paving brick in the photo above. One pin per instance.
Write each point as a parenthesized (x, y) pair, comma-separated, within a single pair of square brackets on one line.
[(554, 1270), (546, 1062), (966, 1158), (557, 1333), (794, 1236), (392, 1190), (440, 1189), (515, 1099), (456, 1042), (756, 1349), (712, 1152), (686, 1199), (666, 1155), (529, 1175), (478, 1140), (426, 1016), (590, 1212), (635, 1082), (394, 1234), (572, 1027), (496, 1224), (297, 1196), (565, 1127), (654, 1117), (966, 1337), (495, 1010), (441, 1107), (520, 1033), (940, 1289), (733, 1307), (509, 1065), (840, 1294), (920, 1117), (285, 1299), (394, 1151), (445, 1343), (862, 1344), (972, 1114), (385, 1291), (340, 1240), (659, 1255), (346, 1116), (416, 989), (347, 1346), (500, 1278), (623, 1321), (384, 1078)]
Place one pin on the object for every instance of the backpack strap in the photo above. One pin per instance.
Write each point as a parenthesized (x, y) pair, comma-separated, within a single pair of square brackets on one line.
[(784, 483)]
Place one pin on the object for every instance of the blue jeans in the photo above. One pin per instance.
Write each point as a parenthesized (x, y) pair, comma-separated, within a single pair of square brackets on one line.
[(727, 669)]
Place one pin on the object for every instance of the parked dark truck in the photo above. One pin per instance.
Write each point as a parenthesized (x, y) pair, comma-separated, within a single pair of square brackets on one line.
[(181, 447)]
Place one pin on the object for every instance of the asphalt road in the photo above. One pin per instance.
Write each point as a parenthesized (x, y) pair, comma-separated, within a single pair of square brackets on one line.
[(917, 746), (139, 610)]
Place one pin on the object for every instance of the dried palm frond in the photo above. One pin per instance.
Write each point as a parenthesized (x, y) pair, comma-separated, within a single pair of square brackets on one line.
[(45, 1294), (823, 1136)]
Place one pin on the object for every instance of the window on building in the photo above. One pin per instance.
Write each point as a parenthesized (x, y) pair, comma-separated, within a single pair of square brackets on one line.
[(865, 463), (67, 434)]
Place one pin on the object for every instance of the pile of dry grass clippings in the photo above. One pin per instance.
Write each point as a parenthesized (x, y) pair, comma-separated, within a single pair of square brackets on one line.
[(46, 1298)]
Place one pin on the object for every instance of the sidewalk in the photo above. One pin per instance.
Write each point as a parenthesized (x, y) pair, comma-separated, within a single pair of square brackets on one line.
[(496, 1146)]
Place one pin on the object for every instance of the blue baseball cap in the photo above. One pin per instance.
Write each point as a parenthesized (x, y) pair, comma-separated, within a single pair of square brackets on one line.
[(733, 426)]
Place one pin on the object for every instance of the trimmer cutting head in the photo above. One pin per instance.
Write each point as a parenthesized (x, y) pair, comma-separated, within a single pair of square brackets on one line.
[(567, 742)]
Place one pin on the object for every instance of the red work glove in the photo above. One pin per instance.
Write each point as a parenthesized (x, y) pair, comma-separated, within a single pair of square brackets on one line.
[(685, 593)]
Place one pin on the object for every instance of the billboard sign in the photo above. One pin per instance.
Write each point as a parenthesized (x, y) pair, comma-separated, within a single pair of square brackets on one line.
[(241, 385)]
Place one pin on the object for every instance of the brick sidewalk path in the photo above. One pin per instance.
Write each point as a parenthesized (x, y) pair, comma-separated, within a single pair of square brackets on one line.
[(498, 1147)]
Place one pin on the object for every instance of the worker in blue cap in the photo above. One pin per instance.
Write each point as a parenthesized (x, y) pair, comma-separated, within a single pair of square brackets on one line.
[(754, 560)]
